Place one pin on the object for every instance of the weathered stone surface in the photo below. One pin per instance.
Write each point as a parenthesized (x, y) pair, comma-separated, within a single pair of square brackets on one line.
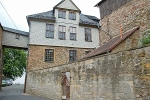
[(36, 56), (134, 13), (105, 77), (122, 75)]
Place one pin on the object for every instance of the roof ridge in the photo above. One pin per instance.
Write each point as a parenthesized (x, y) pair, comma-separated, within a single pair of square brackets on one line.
[(15, 30)]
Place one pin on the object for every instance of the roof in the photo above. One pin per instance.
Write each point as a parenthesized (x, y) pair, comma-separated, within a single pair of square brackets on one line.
[(101, 1), (111, 44), (44, 15), (15, 31), (1, 26), (84, 19), (63, 1)]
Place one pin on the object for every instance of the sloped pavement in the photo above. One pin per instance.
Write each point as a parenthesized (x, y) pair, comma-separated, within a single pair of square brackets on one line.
[(15, 92)]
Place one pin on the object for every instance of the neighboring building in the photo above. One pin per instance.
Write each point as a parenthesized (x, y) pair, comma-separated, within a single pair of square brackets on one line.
[(125, 14), (11, 38), (1, 50), (15, 38), (60, 36)]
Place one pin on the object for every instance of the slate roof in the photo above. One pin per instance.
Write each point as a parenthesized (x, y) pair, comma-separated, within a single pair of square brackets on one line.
[(44, 15), (84, 19), (15, 31), (111, 44)]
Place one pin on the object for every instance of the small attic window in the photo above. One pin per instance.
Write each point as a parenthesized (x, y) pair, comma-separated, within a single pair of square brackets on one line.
[(62, 14), (72, 15), (17, 36)]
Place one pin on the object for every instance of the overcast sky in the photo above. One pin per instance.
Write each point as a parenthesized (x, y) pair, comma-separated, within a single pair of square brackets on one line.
[(19, 9)]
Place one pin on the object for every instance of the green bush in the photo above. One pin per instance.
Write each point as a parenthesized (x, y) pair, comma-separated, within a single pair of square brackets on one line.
[(146, 40)]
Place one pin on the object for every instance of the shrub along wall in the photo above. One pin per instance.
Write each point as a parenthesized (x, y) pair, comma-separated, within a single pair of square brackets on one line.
[(119, 76)]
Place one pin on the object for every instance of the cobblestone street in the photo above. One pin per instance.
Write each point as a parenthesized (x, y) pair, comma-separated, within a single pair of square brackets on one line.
[(15, 92)]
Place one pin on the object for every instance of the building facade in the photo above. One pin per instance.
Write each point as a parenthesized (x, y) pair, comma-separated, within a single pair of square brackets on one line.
[(117, 70), (60, 36), (15, 38), (11, 38), (123, 14)]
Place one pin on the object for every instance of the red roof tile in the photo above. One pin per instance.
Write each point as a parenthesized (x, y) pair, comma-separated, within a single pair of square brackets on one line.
[(111, 44)]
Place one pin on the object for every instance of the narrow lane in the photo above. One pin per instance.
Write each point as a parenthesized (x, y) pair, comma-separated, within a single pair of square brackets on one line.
[(15, 92)]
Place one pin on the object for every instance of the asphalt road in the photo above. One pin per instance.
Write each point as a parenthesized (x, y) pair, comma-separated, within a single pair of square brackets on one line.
[(15, 92)]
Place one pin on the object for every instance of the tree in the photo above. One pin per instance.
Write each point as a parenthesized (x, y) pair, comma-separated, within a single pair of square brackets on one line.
[(14, 63)]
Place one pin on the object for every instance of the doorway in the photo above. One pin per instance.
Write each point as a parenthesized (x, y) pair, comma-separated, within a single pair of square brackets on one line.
[(66, 86)]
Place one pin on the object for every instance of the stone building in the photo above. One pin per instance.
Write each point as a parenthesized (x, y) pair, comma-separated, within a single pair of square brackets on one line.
[(125, 14), (118, 70), (60, 36)]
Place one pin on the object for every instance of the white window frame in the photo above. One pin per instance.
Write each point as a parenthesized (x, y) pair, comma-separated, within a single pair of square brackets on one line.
[(49, 31), (62, 32), (72, 15), (88, 35), (62, 14), (73, 32)]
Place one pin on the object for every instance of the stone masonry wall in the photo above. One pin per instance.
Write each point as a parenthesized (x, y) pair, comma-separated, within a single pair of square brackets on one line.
[(36, 56), (134, 13), (118, 76)]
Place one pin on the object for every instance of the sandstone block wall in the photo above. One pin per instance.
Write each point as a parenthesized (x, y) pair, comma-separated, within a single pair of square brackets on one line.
[(36, 56), (118, 76), (134, 13)]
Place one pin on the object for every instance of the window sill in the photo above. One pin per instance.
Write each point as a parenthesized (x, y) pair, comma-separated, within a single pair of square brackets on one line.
[(49, 37), (61, 39), (73, 19), (88, 41), (61, 17), (73, 40)]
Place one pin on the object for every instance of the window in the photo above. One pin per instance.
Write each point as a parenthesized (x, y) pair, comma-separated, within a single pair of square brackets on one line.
[(72, 15), (49, 31), (49, 55), (88, 37), (62, 31), (17, 36), (72, 55), (61, 14), (72, 33)]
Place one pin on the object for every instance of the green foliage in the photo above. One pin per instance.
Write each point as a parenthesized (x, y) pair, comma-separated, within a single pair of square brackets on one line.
[(14, 63), (146, 40), (146, 37)]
